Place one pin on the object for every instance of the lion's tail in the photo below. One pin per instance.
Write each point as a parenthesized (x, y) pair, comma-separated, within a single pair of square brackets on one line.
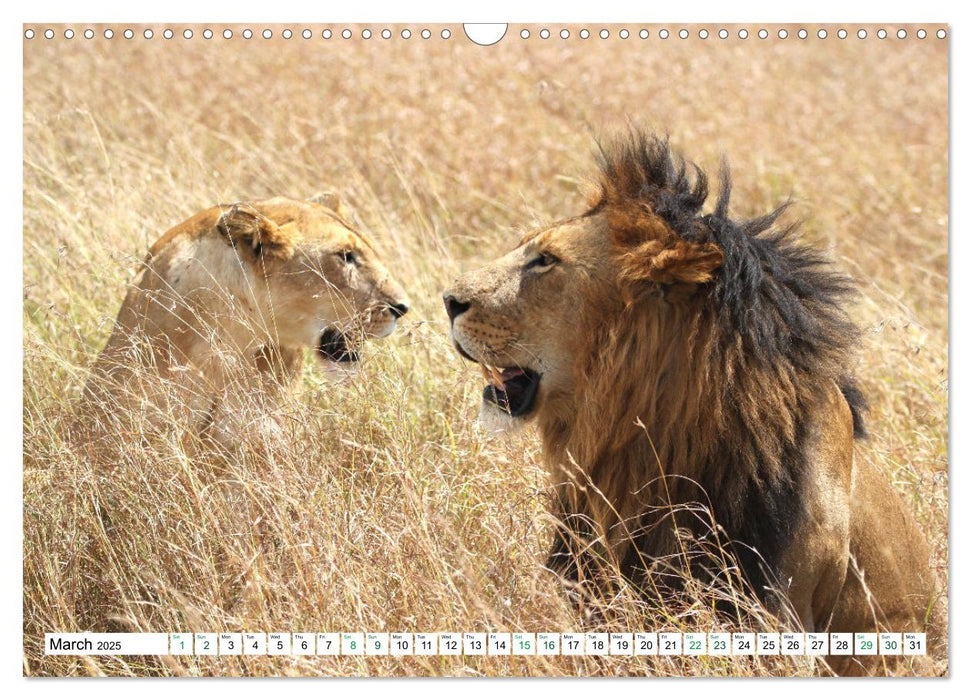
[(858, 404)]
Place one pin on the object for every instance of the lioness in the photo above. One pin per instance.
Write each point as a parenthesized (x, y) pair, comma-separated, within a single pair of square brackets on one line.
[(225, 303), (689, 377)]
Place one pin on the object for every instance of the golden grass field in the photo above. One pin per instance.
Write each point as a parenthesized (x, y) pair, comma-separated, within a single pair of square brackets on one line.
[(387, 510)]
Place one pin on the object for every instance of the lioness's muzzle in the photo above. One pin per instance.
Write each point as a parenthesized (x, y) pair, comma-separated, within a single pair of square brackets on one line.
[(334, 346)]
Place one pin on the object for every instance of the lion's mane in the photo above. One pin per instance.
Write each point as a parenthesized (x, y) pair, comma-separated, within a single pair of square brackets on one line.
[(697, 409)]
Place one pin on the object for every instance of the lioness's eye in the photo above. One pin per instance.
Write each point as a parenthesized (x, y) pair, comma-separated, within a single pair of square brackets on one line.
[(348, 257), (542, 260)]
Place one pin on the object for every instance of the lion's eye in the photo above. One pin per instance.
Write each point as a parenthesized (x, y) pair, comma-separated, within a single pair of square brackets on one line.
[(542, 261), (348, 257)]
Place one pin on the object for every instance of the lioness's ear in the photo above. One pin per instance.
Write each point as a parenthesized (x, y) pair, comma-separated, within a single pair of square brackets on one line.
[(331, 200), (246, 228), (678, 261)]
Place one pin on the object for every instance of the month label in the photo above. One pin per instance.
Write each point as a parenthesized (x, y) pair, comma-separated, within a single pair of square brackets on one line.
[(107, 643)]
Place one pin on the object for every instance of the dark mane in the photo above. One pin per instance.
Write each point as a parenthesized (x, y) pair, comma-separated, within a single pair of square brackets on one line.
[(781, 297)]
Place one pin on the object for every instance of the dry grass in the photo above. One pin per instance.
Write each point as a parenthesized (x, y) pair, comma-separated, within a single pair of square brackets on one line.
[(387, 511)]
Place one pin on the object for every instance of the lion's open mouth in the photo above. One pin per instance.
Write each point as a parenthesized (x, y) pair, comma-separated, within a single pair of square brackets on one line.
[(512, 390), (336, 347)]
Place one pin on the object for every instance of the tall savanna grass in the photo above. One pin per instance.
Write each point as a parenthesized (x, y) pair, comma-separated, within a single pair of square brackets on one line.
[(381, 507)]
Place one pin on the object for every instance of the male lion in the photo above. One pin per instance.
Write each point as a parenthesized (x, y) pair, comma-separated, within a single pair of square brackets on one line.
[(689, 377), (225, 303)]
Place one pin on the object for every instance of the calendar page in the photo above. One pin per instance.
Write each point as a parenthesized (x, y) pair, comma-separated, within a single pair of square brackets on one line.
[(488, 350)]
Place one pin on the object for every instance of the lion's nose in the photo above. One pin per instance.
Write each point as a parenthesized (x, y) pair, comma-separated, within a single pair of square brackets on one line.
[(398, 310), (454, 307)]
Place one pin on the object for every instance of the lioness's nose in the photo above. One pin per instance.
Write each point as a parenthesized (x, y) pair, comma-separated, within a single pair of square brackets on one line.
[(398, 310), (454, 307)]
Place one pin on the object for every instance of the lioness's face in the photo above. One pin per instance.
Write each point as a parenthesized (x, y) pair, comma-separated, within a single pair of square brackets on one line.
[(326, 286), (521, 317)]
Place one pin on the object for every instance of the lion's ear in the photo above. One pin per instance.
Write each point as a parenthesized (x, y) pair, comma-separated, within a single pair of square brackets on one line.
[(686, 262), (331, 200), (246, 228), (680, 261)]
